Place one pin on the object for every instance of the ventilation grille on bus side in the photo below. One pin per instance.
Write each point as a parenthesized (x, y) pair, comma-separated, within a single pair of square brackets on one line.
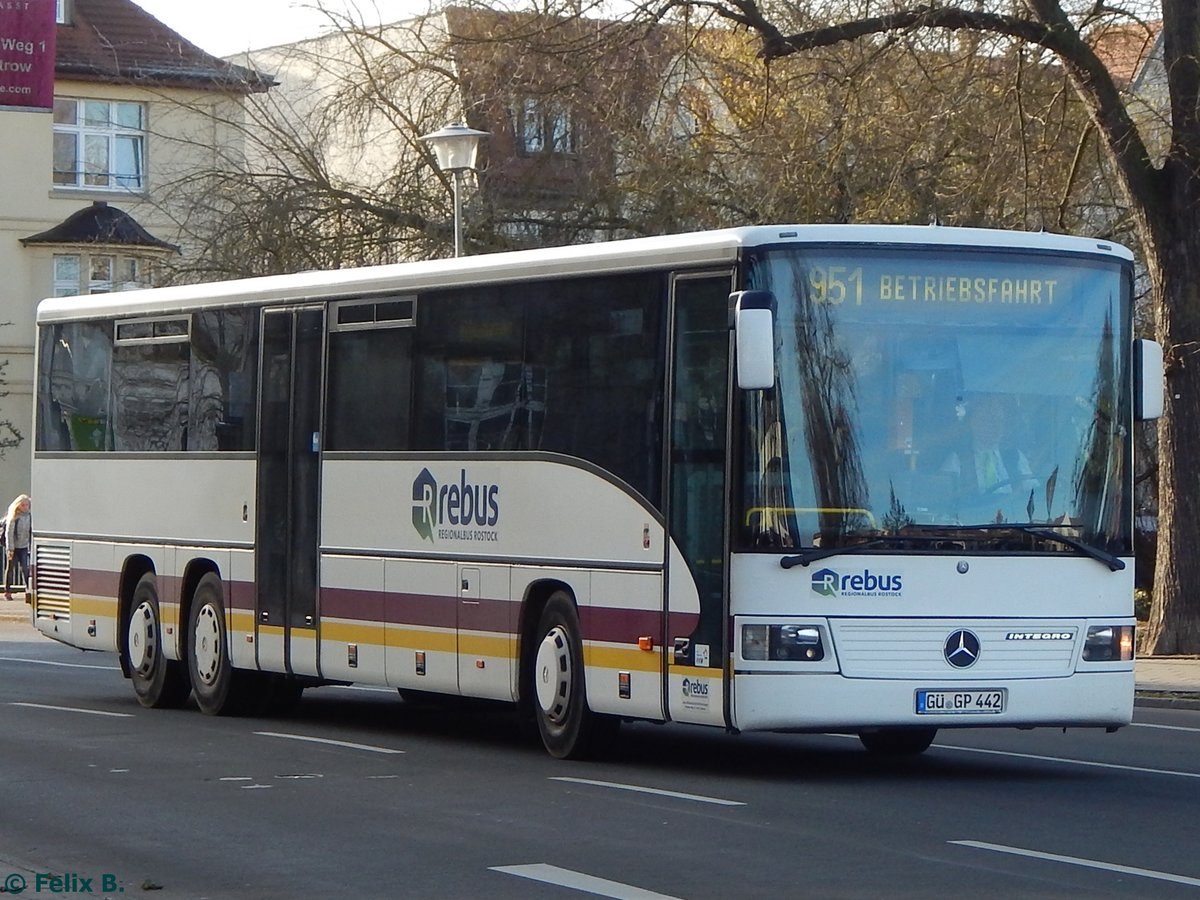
[(53, 572)]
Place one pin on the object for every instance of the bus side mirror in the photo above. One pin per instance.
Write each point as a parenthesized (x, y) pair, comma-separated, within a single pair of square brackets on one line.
[(1148, 374), (754, 338)]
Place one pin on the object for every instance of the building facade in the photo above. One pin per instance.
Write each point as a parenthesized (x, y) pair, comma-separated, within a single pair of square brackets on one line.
[(99, 192)]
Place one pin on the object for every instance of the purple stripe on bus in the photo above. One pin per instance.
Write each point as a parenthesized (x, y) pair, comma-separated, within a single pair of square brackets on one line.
[(608, 624), (619, 626), (681, 624), (95, 583), (428, 610), (240, 595)]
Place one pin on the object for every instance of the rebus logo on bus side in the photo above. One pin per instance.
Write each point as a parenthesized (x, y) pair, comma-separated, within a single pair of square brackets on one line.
[(460, 504)]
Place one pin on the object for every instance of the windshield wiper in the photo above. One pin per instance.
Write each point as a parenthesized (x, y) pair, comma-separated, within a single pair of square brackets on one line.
[(813, 554), (1114, 563)]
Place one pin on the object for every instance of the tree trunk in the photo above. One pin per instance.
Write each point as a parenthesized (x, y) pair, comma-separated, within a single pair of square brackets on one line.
[(1175, 271)]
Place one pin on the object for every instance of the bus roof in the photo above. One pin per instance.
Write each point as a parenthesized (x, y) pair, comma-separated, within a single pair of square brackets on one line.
[(677, 250)]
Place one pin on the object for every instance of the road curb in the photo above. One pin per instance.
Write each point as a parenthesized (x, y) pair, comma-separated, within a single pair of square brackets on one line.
[(1167, 700)]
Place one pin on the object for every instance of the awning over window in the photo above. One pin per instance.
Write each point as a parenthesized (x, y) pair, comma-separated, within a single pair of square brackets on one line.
[(100, 224)]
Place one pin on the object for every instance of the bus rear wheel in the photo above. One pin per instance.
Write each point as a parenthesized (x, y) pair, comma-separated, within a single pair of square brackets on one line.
[(218, 687), (569, 730), (898, 741), (159, 683)]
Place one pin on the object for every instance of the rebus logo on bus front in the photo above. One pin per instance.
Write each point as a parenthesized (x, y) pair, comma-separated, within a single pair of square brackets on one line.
[(829, 583), (457, 511)]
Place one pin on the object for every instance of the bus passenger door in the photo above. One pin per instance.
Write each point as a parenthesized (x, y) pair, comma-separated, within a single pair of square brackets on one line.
[(696, 503), (288, 520)]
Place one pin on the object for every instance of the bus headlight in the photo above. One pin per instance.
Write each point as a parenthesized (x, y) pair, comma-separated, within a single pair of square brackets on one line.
[(788, 643), (1108, 643)]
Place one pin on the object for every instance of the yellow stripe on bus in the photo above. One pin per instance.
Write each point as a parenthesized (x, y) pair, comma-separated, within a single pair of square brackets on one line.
[(94, 606), (696, 671), (627, 659), (486, 645)]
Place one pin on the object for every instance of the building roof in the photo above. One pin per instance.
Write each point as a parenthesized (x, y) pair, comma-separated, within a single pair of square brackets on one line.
[(100, 224), (118, 41), (1124, 48)]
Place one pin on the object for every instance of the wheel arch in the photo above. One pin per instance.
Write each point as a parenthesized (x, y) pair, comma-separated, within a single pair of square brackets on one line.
[(537, 595), (135, 566), (196, 569)]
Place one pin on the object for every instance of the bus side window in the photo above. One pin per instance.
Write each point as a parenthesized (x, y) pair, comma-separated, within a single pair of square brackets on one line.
[(73, 387), (370, 389)]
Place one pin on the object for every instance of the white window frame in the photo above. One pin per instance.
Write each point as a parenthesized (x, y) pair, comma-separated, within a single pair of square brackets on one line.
[(85, 280), (60, 12), (110, 137)]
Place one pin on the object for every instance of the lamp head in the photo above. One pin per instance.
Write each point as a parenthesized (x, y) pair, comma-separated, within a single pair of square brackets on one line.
[(456, 146)]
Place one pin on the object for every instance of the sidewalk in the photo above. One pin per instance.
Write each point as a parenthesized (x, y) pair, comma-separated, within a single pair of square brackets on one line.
[(1172, 681), (14, 610)]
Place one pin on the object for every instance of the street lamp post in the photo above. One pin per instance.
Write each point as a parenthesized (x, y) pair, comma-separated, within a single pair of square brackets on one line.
[(456, 147)]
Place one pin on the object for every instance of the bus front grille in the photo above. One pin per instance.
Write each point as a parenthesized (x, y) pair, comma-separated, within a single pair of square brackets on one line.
[(52, 569)]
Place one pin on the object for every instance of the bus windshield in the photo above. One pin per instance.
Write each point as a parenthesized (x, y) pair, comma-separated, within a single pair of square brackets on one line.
[(926, 398)]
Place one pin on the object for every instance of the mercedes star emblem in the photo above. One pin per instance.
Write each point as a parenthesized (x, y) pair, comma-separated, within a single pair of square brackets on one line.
[(961, 649)]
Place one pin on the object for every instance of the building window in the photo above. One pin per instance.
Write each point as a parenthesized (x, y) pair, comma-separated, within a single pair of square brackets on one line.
[(60, 12), (99, 144), (540, 127), (99, 273)]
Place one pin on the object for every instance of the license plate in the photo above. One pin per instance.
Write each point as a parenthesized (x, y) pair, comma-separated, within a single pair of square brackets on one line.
[(961, 702)]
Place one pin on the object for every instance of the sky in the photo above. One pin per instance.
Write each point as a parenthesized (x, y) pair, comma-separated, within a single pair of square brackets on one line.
[(225, 27)]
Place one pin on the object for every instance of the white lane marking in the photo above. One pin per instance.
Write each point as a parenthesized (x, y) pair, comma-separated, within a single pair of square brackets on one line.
[(588, 884), (1054, 759), (1071, 762), (48, 662), (1163, 727), (318, 740), (298, 777), (257, 787), (236, 778), (648, 790), (1077, 861), (75, 709)]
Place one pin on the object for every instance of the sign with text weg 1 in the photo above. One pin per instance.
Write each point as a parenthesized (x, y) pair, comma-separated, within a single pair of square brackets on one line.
[(27, 31)]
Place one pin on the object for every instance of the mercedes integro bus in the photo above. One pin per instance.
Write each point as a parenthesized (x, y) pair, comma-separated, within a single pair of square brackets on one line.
[(858, 479)]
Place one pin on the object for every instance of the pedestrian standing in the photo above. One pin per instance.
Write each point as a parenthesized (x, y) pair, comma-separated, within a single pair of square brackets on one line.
[(17, 534)]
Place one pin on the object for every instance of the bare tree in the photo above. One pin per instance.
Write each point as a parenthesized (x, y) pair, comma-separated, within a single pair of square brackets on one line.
[(965, 118), (1163, 198)]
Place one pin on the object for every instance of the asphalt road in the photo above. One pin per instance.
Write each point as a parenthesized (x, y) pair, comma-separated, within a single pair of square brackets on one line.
[(358, 794)]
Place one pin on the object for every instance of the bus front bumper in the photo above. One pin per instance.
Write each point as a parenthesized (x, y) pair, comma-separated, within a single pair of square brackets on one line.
[(834, 703)]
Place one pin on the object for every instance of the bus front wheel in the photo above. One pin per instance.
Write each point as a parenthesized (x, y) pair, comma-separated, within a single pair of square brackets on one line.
[(569, 730), (159, 683), (898, 741)]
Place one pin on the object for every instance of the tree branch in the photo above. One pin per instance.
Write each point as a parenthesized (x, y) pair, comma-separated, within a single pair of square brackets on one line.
[(1048, 28)]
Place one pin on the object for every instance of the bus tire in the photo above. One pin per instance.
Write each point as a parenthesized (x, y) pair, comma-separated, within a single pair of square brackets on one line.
[(220, 690), (898, 741), (568, 729), (159, 683)]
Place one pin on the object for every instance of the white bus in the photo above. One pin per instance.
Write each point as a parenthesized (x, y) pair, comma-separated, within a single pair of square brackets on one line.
[(727, 478)]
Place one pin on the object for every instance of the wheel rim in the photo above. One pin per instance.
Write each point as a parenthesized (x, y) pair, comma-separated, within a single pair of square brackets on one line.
[(553, 674), (207, 645), (143, 639)]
